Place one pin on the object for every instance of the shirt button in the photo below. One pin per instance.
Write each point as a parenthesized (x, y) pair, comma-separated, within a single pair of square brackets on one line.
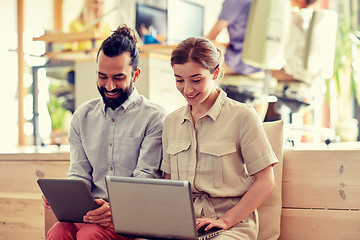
[(111, 168), (110, 144), (113, 120)]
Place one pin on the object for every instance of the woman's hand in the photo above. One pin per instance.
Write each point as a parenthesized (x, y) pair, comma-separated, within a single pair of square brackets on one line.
[(210, 222), (101, 215)]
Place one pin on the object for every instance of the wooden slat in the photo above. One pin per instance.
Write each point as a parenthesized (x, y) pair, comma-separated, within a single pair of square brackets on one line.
[(307, 224), (21, 67), (21, 218), (75, 56), (58, 37), (321, 179), (61, 156), (17, 176), (58, 14), (34, 153)]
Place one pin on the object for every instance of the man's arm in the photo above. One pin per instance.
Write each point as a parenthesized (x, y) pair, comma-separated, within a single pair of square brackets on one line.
[(80, 167), (150, 155)]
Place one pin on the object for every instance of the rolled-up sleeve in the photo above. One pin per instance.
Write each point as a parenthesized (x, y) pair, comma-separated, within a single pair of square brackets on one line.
[(255, 146)]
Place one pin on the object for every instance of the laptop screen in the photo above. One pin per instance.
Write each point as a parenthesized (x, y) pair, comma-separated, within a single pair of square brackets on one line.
[(151, 207)]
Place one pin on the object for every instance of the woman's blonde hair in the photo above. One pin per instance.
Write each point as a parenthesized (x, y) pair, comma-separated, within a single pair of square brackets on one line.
[(87, 14)]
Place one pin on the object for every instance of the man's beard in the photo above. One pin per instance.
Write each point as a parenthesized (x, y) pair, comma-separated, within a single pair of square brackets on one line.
[(114, 103)]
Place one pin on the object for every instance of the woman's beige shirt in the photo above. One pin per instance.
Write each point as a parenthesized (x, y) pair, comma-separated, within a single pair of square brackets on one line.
[(218, 156), (221, 153)]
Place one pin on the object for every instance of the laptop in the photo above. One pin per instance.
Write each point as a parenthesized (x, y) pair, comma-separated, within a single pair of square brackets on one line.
[(153, 208)]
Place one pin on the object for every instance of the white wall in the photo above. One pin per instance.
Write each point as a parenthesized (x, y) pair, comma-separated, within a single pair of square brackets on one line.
[(8, 70), (37, 15)]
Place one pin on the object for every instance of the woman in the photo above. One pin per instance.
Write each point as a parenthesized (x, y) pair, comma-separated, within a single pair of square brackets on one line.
[(90, 18), (217, 144)]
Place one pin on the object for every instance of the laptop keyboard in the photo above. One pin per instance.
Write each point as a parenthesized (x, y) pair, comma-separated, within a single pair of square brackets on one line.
[(210, 233)]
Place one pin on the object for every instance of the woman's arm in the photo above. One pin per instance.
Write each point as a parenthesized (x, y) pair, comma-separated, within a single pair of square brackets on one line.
[(264, 184)]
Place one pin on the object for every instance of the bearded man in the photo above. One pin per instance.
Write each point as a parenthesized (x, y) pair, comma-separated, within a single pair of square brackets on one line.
[(118, 135)]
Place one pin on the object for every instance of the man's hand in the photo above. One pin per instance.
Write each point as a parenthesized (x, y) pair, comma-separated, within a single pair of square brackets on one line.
[(101, 215), (45, 203)]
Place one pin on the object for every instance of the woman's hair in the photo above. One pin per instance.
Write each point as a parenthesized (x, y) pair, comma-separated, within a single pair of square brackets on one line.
[(198, 50), (308, 2), (122, 40), (87, 13)]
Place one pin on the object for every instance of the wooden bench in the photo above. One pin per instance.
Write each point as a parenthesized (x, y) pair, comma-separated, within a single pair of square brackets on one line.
[(320, 193), (21, 208)]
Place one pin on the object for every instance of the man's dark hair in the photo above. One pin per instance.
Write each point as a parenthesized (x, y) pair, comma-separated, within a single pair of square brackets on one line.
[(122, 40)]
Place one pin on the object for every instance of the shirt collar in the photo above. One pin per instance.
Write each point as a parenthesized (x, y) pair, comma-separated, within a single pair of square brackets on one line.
[(134, 96), (213, 112)]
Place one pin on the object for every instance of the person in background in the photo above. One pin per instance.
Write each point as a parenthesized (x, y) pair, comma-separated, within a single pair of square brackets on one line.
[(299, 4), (233, 16), (295, 45), (90, 18), (118, 135), (217, 144)]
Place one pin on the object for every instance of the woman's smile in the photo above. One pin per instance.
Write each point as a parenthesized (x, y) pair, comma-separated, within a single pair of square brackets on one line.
[(192, 96)]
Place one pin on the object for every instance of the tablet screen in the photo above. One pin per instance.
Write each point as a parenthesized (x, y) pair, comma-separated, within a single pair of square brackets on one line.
[(69, 199)]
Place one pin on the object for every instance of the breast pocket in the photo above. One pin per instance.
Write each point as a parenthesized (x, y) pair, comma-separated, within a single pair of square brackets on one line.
[(179, 159), (215, 161), (127, 149)]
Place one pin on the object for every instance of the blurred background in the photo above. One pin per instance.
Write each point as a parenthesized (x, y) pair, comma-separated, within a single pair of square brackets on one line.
[(44, 80)]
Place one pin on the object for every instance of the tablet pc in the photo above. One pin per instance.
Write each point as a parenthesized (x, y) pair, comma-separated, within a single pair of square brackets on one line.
[(69, 199)]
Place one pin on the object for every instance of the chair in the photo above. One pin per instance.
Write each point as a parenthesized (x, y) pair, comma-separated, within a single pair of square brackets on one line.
[(309, 55), (263, 48), (270, 210)]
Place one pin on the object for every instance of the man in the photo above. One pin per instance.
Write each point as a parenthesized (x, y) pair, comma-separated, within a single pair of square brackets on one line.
[(119, 134)]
